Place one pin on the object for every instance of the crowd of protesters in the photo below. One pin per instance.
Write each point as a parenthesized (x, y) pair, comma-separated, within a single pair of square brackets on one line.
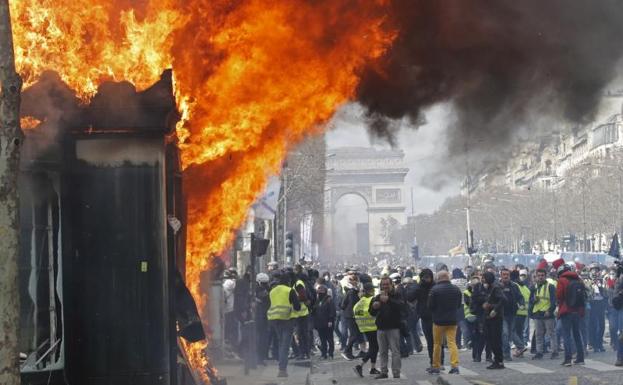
[(557, 310)]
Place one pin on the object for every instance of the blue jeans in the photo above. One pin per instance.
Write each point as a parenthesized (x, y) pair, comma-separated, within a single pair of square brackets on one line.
[(571, 324), (284, 330), (509, 335), (615, 324), (343, 327), (597, 324), (466, 330)]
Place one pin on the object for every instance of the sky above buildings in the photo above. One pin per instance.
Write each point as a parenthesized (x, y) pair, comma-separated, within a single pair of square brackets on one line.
[(425, 150)]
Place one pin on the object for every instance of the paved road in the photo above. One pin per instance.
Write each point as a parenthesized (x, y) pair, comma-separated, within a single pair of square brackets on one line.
[(598, 370)]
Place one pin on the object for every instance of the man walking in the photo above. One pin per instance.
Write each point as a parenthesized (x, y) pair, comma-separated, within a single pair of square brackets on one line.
[(474, 297), (323, 318), (444, 301), (388, 308), (494, 318), (513, 300), (571, 297), (351, 297), (283, 302), (367, 325), (420, 297), (521, 318), (541, 307)]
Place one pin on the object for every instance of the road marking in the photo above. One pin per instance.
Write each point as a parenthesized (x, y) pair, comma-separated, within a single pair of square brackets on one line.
[(423, 382), (600, 366), (573, 380), (478, 382), (452, 380), (526, 368), (467, 372)]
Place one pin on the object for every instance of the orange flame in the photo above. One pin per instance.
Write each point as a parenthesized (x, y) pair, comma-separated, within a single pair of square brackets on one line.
[(29, 123), (271, 74), (252, 79)]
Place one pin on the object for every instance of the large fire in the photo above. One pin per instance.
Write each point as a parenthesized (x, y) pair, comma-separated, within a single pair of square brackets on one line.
[(252, 79)]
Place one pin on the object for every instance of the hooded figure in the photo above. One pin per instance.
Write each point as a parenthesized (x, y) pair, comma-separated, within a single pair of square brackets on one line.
[(494, 296), (420, 293)]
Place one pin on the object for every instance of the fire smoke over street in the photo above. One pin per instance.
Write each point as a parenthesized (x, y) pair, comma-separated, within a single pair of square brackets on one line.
[(253, 78), (501, 64)]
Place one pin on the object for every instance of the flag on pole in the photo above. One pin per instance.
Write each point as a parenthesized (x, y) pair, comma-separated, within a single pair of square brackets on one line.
[(615, 247)]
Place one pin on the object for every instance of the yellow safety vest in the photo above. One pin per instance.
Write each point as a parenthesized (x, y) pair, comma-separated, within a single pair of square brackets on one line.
[(280, 306), (541, 298), (525, 292), (552, 282), (364, 320), (466, 310), (304, 311)]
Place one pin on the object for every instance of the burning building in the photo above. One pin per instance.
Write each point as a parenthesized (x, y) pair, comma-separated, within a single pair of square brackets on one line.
[(103, 251)]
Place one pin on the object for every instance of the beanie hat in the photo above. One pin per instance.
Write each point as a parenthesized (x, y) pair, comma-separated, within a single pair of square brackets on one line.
[(557, 263)]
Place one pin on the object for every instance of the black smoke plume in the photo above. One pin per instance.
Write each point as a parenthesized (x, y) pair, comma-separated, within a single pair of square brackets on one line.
[(500, 63)]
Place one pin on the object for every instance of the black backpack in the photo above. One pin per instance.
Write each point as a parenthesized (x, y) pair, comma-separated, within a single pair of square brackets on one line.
[(575, 295), (617, 300)]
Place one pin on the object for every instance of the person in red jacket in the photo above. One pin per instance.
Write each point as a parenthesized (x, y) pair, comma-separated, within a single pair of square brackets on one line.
[(570, 316)]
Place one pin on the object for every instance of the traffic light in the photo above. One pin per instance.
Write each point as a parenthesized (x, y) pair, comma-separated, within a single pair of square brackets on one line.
[(289, 246), (415, 252), (259, 246)]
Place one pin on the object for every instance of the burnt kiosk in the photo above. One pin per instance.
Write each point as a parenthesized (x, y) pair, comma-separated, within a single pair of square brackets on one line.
[(102, 250)]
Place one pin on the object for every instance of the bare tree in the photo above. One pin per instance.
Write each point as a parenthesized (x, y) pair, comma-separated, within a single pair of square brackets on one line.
[(10, 141)]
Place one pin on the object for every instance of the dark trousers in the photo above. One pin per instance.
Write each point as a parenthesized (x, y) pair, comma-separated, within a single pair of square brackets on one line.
[(597, 324), (520, 329), (337, 329), (478, 338), (493, 335), (283, 330), (353, 335), (427, 329), (373, 349), (571, 333), (406, 346), (302, 335), (273, 343), (262, 331), (231, 329), (326, 341), (413, 330)]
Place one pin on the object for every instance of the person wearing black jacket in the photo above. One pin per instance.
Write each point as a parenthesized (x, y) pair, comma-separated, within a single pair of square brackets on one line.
[(412, 316), (351, 297), (388, 308), (494, 318), (444, 301), (513, 299), (420, 295), (324, 318), (474, 298)]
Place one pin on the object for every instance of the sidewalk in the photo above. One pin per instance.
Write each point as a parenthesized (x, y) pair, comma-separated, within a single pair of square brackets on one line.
[(233, 372)]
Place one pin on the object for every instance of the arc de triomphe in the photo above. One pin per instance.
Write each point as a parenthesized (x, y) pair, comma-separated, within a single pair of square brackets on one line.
[(378, 177)]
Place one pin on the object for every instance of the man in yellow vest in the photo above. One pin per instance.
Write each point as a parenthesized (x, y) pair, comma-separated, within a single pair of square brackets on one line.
[(522, 310), (541, 309), (367, 325), (283, 302), (301, 317)]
